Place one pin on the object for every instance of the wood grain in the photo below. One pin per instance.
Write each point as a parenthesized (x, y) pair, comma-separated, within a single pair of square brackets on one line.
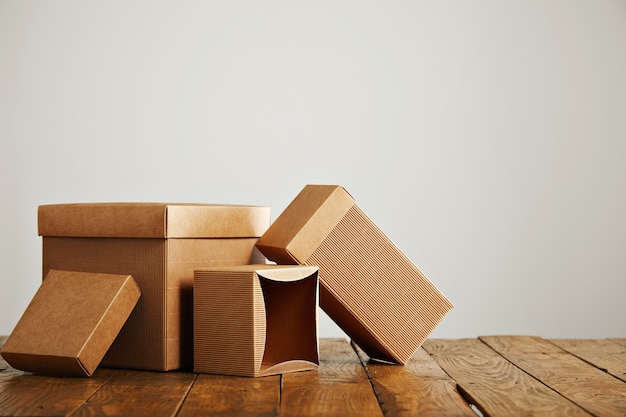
[(498, 375), (494, 385), (129, 392), (619, 341), (218, 395), (605, 354), (580, 382), (420, 387), (26, 394), (339, 388)]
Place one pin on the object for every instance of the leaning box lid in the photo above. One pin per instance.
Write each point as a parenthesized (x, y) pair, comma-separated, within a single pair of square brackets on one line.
[(152, 220), (71, 322)]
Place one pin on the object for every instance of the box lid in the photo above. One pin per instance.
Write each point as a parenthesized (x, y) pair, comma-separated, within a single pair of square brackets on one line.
[(152, 220), (305, 223), (71, 322)]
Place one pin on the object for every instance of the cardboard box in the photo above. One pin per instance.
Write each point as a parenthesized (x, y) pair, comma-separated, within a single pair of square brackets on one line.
[(70, 323), (367, 285), (159, 245), (255, 320)]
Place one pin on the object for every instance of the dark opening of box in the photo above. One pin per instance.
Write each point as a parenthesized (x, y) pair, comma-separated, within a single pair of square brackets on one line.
[(291, 320)]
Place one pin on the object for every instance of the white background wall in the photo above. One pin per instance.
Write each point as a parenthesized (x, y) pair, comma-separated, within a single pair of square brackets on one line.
[(486, 138)]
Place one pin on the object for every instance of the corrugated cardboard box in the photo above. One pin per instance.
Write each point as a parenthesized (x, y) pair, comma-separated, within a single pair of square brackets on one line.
[(159, 245), (71, 322), (255, 320), (367, 285)]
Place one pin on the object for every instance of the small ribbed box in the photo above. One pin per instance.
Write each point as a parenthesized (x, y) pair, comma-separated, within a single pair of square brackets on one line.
[(255, 320), (368, 286)]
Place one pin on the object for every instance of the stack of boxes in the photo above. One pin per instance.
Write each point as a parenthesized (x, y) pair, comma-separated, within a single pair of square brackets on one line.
[(209, 300)]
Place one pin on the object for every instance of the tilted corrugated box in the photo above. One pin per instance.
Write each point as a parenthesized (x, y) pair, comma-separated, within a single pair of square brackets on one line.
[(367, 285), (159, 245), (255, 320), (71, 322)]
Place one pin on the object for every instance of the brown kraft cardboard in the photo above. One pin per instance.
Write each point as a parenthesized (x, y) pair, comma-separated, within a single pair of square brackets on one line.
[(368, 286), (71, 322), (255, 320), (159, 244)]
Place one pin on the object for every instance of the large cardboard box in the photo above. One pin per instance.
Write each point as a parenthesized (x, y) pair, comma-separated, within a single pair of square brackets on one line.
[(255, 320), (159, 245), (367, 285), (71, 322)]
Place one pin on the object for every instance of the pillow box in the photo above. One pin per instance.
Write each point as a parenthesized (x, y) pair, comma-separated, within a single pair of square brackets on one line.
[(158, 244), (70, 323), (255, 320), (367, 285)]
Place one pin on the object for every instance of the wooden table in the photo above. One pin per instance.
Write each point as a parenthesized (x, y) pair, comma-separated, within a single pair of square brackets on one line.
[(490, 376)]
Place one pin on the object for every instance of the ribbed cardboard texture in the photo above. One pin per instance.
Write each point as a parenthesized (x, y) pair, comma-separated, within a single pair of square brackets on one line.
[(71, 322), (255, 320), (159, 245), (368, 286)]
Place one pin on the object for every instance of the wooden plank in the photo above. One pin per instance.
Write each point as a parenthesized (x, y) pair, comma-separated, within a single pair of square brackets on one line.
[(139, 392), (26, 394), (218, 395), (494, 385), (583, 384), (620, 341), (339, 388), (605, 354), (420, 387)]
